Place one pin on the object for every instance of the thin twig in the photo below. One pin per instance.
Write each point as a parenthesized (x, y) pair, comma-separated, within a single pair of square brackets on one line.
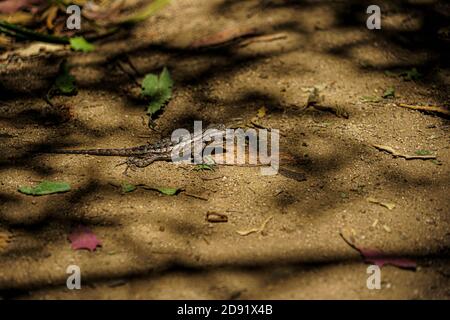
[(405, 156), (434, 109)]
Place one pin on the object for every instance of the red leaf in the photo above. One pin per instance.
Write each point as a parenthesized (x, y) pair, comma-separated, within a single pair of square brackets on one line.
[(377, 257), (11, 6), (380, 259), (83, 238)]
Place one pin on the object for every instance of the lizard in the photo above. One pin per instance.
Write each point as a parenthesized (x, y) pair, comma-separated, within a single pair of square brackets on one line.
[(144, 155)]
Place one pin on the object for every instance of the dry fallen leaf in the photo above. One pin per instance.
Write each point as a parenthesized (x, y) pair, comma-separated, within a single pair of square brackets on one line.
[(388, 205), (34, 49), (50, 14), (216, 217)]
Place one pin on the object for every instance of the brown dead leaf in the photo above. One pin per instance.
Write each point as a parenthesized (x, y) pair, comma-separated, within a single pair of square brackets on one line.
[(216, 217), (21, 17), (50, 14), (34, 49), (388, 205)]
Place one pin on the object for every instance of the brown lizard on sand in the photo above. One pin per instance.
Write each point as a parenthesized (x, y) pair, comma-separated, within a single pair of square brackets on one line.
[(144, 155)]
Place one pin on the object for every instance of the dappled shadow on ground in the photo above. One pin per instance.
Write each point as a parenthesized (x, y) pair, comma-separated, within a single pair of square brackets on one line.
[(212, 63)]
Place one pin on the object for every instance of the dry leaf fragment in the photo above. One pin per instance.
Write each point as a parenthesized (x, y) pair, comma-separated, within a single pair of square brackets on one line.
[(34, 49), (388, 205), (216, 217), (255, 230), (374, 224), (50, 15)]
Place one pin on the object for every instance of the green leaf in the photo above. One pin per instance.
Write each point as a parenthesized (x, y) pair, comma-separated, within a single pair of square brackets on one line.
[(204, 167), (165, 79), (390, 73), (167, 191), (150, 85), (155, 105), (45, 187), (126, 187), (158, 89), (389, 93), (407, 75), (411, 75), (65, 82), (423, 152), (80, 44)]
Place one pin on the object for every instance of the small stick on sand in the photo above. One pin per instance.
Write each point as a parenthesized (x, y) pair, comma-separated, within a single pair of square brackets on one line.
[(401, 155)]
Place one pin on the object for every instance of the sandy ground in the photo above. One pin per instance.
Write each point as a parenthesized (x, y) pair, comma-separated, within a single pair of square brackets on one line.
[(161, 247)]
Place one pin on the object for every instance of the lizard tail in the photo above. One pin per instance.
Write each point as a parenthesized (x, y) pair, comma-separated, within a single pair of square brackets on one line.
[(98, 152)]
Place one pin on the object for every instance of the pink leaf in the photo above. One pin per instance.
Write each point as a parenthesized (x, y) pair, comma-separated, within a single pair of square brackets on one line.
[(380, 259), (377, 257), (12, 6), (83, 238)]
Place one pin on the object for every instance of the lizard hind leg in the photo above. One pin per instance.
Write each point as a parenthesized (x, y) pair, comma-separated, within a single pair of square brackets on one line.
[(141, 162), (128, 165), (132, 163)]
